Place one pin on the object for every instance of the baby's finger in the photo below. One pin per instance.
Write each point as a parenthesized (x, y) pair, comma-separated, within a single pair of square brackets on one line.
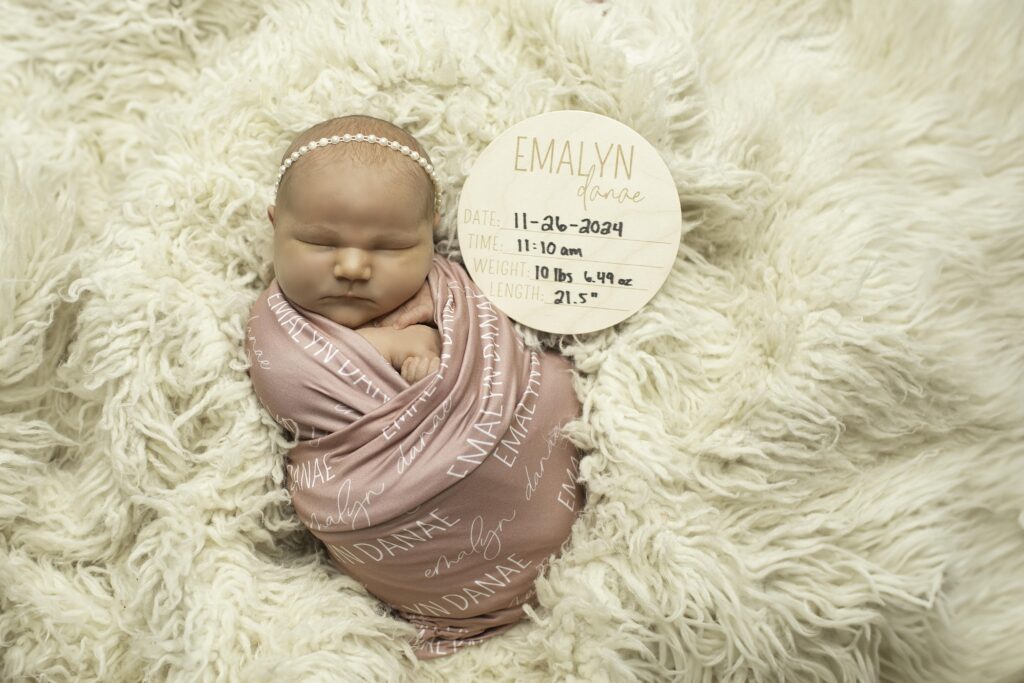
[(423, 369), (435, 364)]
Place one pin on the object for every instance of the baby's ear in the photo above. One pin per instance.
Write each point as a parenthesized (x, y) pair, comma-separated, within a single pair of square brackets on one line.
[(270, 214)]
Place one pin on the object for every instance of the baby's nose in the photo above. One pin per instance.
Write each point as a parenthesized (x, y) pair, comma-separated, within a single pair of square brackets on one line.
[(352, 264)]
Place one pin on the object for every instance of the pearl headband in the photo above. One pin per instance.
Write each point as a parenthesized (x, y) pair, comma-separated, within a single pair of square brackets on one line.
[(359, 137)]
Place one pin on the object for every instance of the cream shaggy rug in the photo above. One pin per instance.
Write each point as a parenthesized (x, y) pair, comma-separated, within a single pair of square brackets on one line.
[(805, 454)]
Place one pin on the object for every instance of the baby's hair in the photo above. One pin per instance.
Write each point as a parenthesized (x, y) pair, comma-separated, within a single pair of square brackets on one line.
[(410, 173)]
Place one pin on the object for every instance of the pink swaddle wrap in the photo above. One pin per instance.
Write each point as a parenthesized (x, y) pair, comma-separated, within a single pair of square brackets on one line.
[(444, 498)]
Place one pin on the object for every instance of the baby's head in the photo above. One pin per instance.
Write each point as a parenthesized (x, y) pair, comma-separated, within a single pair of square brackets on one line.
[(353, 218)]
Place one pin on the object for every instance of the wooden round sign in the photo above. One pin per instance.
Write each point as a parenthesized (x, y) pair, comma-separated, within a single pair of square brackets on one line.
[(569, 222)]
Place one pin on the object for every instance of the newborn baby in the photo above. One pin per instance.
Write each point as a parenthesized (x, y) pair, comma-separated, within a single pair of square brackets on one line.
[(429, 458), (384, 208)]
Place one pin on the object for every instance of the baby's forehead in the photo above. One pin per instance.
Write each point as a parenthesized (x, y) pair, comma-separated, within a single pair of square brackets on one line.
[(329, 175), (330, 191)]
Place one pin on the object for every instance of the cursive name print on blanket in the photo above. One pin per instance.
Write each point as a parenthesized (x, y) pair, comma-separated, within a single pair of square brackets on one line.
[(444, 498)]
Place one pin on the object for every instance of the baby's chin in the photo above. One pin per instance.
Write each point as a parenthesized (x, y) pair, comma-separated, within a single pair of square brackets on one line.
[(352, 314)]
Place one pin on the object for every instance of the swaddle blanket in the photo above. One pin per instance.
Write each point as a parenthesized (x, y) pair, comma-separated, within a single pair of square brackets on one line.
[(444, 498)]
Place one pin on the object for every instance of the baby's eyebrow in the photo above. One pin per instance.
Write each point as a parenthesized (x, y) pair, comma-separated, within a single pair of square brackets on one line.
[(382, 236), (316, 227), (320, 228), (387, 228)]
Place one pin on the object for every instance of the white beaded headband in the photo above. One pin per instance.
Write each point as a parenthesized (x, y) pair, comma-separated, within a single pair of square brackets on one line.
[(359, 137)]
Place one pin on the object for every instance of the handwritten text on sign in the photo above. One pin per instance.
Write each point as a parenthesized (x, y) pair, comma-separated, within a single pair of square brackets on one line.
[(569, 222)]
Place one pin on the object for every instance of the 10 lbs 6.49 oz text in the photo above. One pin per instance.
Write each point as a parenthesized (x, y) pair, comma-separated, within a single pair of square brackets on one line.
[(606, 277)]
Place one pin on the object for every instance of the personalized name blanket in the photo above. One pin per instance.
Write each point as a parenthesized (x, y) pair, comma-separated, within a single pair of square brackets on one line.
[(444, 498)]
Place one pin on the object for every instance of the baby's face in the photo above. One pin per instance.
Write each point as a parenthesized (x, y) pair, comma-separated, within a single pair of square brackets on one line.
[(347, 227)]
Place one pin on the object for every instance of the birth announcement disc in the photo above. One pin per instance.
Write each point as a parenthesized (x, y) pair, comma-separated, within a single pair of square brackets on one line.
[(569, 222)]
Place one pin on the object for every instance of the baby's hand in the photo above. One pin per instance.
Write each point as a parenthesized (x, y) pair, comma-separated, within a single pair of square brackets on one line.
[(416, 352), (418, 309), (414, 369)]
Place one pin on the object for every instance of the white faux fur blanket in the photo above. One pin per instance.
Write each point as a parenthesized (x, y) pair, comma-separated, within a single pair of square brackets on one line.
[(806, 458)]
